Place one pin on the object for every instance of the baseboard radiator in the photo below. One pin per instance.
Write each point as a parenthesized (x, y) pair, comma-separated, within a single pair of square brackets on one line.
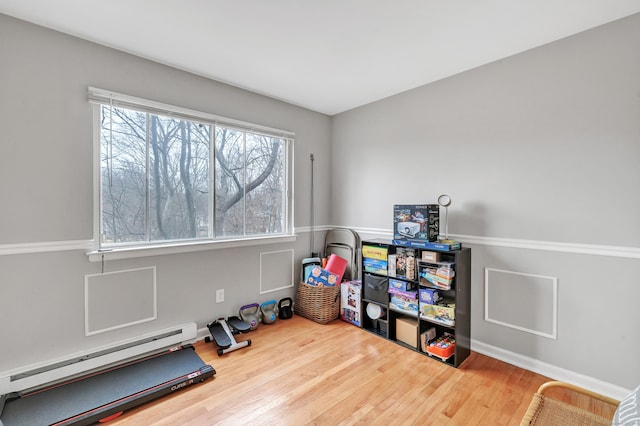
[(52, 371)]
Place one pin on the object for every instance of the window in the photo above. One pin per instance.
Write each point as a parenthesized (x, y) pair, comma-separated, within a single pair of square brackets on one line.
[(170, 175)]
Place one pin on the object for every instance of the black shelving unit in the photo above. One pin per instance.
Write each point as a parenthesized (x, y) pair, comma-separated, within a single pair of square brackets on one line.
[(458, 292)]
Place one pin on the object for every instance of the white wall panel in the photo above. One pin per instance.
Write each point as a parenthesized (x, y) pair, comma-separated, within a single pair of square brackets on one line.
[(276, 270), (526, 302), (119, 299)]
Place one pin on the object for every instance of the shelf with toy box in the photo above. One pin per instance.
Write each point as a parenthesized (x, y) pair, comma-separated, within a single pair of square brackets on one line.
[(403, 312), (445, 305), (424, 296), (379, 271), (375, 258), (375, 281), (403, 296), (437, 295), (403, 328), (442, 347), (440, 275), (375, 285)]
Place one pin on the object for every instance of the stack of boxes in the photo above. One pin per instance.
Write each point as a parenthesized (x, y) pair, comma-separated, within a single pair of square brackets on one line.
[(440, 275), (403, 296), (432, 304), (374, 259)]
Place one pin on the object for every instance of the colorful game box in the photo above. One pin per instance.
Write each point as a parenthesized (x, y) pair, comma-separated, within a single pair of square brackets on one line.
[(429, 296), (404, 300), (416, 222), (374, 252), (400, 285), (444, 313), (350, 302), (322, 278)]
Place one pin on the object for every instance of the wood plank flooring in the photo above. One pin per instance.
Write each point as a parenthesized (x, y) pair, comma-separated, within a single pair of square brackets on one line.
[(297, 372)]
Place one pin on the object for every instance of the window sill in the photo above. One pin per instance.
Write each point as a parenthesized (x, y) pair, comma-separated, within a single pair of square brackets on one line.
[(178, 248)]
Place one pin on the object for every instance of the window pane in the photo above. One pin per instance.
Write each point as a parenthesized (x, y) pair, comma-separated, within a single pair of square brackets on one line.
[(179, 179), (157, 183), (229, 174), (250, 182), (265, 182), (123, 169)]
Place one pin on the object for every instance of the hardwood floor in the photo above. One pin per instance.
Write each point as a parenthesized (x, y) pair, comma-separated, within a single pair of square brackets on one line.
[(297, 372)]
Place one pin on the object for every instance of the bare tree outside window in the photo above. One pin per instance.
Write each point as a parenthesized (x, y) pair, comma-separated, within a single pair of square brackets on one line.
[(249, 182), (156, 179)]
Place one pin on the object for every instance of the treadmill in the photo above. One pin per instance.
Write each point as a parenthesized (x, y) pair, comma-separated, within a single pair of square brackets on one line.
[(105, 394)]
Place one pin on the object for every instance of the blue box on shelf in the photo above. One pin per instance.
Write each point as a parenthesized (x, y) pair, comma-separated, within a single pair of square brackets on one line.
[(429, 296), (400, 285), (427, 245)]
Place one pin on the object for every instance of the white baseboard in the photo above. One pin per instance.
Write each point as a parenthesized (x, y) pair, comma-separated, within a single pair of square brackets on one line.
[(551, 371), (53, 370)]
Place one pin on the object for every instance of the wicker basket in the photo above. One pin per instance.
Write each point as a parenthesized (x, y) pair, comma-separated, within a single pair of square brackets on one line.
[(319, 304)]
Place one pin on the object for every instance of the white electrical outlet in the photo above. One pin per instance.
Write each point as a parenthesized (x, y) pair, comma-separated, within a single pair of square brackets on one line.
[(220, 295)]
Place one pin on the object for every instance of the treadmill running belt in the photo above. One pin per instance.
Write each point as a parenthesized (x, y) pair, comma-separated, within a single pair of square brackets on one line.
[(84, 394)]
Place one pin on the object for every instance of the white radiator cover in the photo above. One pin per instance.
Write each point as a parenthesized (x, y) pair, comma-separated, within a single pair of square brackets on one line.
[(35, 375)]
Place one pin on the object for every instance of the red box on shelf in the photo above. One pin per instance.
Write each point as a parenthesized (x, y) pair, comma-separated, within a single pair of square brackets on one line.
[(443, 347)]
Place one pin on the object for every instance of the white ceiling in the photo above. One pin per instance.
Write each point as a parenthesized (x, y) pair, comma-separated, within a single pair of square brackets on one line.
[(325, 55)]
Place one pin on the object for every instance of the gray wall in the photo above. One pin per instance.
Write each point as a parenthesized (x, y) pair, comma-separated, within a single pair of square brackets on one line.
[(46, 192), (540, 153)]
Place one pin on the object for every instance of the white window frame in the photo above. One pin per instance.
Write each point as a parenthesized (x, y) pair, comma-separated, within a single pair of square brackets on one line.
[(100, 97)]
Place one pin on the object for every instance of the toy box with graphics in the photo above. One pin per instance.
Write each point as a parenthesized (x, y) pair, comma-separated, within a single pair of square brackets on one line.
[(416, 222), (350, 301), (404, 300), (322, 278)]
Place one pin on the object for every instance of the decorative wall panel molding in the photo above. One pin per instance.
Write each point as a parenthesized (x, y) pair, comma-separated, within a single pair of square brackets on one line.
[(276, 270), (87, 245), (525, 302), (45, 246), (591, 249), (119, 299)]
